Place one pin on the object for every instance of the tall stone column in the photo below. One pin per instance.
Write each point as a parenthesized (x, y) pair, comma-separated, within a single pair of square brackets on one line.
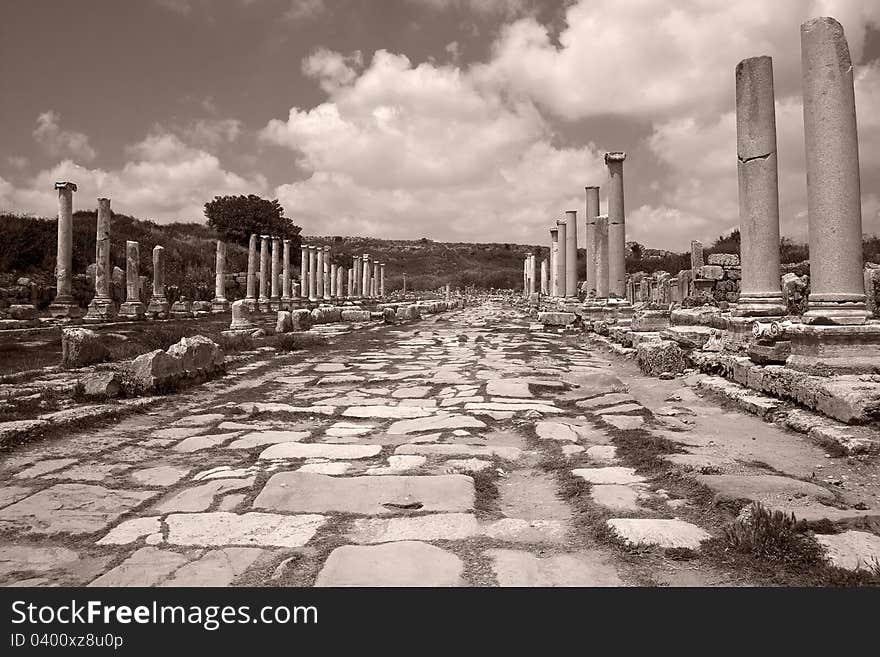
[(601, 251), (286, 291), (319, 273), (357, 267), (545, 283), (264, 273), (365, 282), (697, 259), (761, 291), (275, 287), (334, 287), (616, 226), (382, 280), (526, 276), (340, 282), (592, 209), (303, 271), (837, 289), (561, 258), (349, 287), (554, 258), (64, 304), (132, 308), (251, 292), (313, 268), (102, 309), (327, 282), (158, 307), (219, 304), (376, 278), (571, 252)]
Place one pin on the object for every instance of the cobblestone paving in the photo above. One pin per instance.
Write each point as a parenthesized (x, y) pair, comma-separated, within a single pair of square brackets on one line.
[(441, 453)]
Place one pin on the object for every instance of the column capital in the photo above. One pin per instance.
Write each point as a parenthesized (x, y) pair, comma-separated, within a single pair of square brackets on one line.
[(593, 186), (614, 156), (63, 184)]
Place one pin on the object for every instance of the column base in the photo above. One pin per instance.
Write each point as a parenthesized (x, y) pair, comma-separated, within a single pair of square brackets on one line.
[(287, 303), (275, 304), (650, 320), (158, 308), (132, 310), (843, 309), (263, 305), (101, 310), (838, 349), (759, 305), (219, 306), (65, 307)]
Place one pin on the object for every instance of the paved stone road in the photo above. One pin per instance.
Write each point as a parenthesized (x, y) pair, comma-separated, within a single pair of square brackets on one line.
[(460, 450)]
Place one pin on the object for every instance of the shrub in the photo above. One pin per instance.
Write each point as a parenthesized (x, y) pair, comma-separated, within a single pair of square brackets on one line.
[(772, 536)]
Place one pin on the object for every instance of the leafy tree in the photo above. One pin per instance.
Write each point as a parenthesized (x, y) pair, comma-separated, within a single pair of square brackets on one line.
[(236, 218)]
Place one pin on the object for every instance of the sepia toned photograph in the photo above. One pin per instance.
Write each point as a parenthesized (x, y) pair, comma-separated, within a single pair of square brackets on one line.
[(306, 294)]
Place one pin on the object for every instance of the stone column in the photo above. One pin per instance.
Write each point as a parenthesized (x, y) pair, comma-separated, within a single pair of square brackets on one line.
[(837, 290), (526, 276), (530, 275), (251, 295), (592, 209), (357, 266), (286, 292), (340, 282), (545, 284), (275, 288), (349, 288), (696, 256), (158, 307), (132, 308), (616, 226), (334, 287), (219, 304), (561, 258), (554, 262), (404, 283), (64, 304), (327, 291), (304, 271), (365, 282), (571, 289), (264, 273), (382, 280), (319, 273), (102, 309), (376, 278), (601, 251), (761, 291), (313, 267)]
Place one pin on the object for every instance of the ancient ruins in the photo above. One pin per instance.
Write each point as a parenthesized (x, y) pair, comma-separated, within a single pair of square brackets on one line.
[(459, 437)]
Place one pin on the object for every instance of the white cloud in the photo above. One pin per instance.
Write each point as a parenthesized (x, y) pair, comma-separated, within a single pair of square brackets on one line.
[(164, 180), (61, 143), (332, 69)]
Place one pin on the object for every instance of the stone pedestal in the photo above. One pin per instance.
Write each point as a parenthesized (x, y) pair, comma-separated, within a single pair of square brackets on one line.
[(838, 349), (158, 307), (837, 292), (102, 308), (181, 309)]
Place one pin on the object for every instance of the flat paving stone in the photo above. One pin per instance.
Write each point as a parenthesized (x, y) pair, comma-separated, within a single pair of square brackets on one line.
[(436, 526), (201, 497), (602, 453), (319, 450), (216, 568), (664, 533), (35, 559), (508, 388), (403, 563), (556, 431), (407, 412), (198, 443), (261, 438), (605, 400), (132, 530), (199, 420), (413, 392), (443, 449), (10, 494), (146, 567), (851, 549), (295, 492), (440, 422), (253, 528), (609, 475), (615, 497), (44, 467), (335, 468), (624, 422), (71, 508), (624, 408), (762, 488), (161, 476), (519, 568)]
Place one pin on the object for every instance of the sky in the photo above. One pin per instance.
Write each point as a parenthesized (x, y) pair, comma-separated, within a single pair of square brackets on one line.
[(455, 120)]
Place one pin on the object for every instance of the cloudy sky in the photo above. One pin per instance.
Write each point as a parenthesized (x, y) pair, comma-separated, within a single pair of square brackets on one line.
[(470, 120)]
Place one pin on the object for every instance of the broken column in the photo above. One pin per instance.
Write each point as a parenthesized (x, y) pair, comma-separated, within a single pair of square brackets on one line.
[(251, 292), (592, 209), (286, 291), (554, 257), (696, 255), (132, 308), (761, 291), (571, 252), (158, 307), (263, 302), (219, 304), (616, 226), (837, 291), (561, 256), (64, 304), (102, 309), (601, 252)]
